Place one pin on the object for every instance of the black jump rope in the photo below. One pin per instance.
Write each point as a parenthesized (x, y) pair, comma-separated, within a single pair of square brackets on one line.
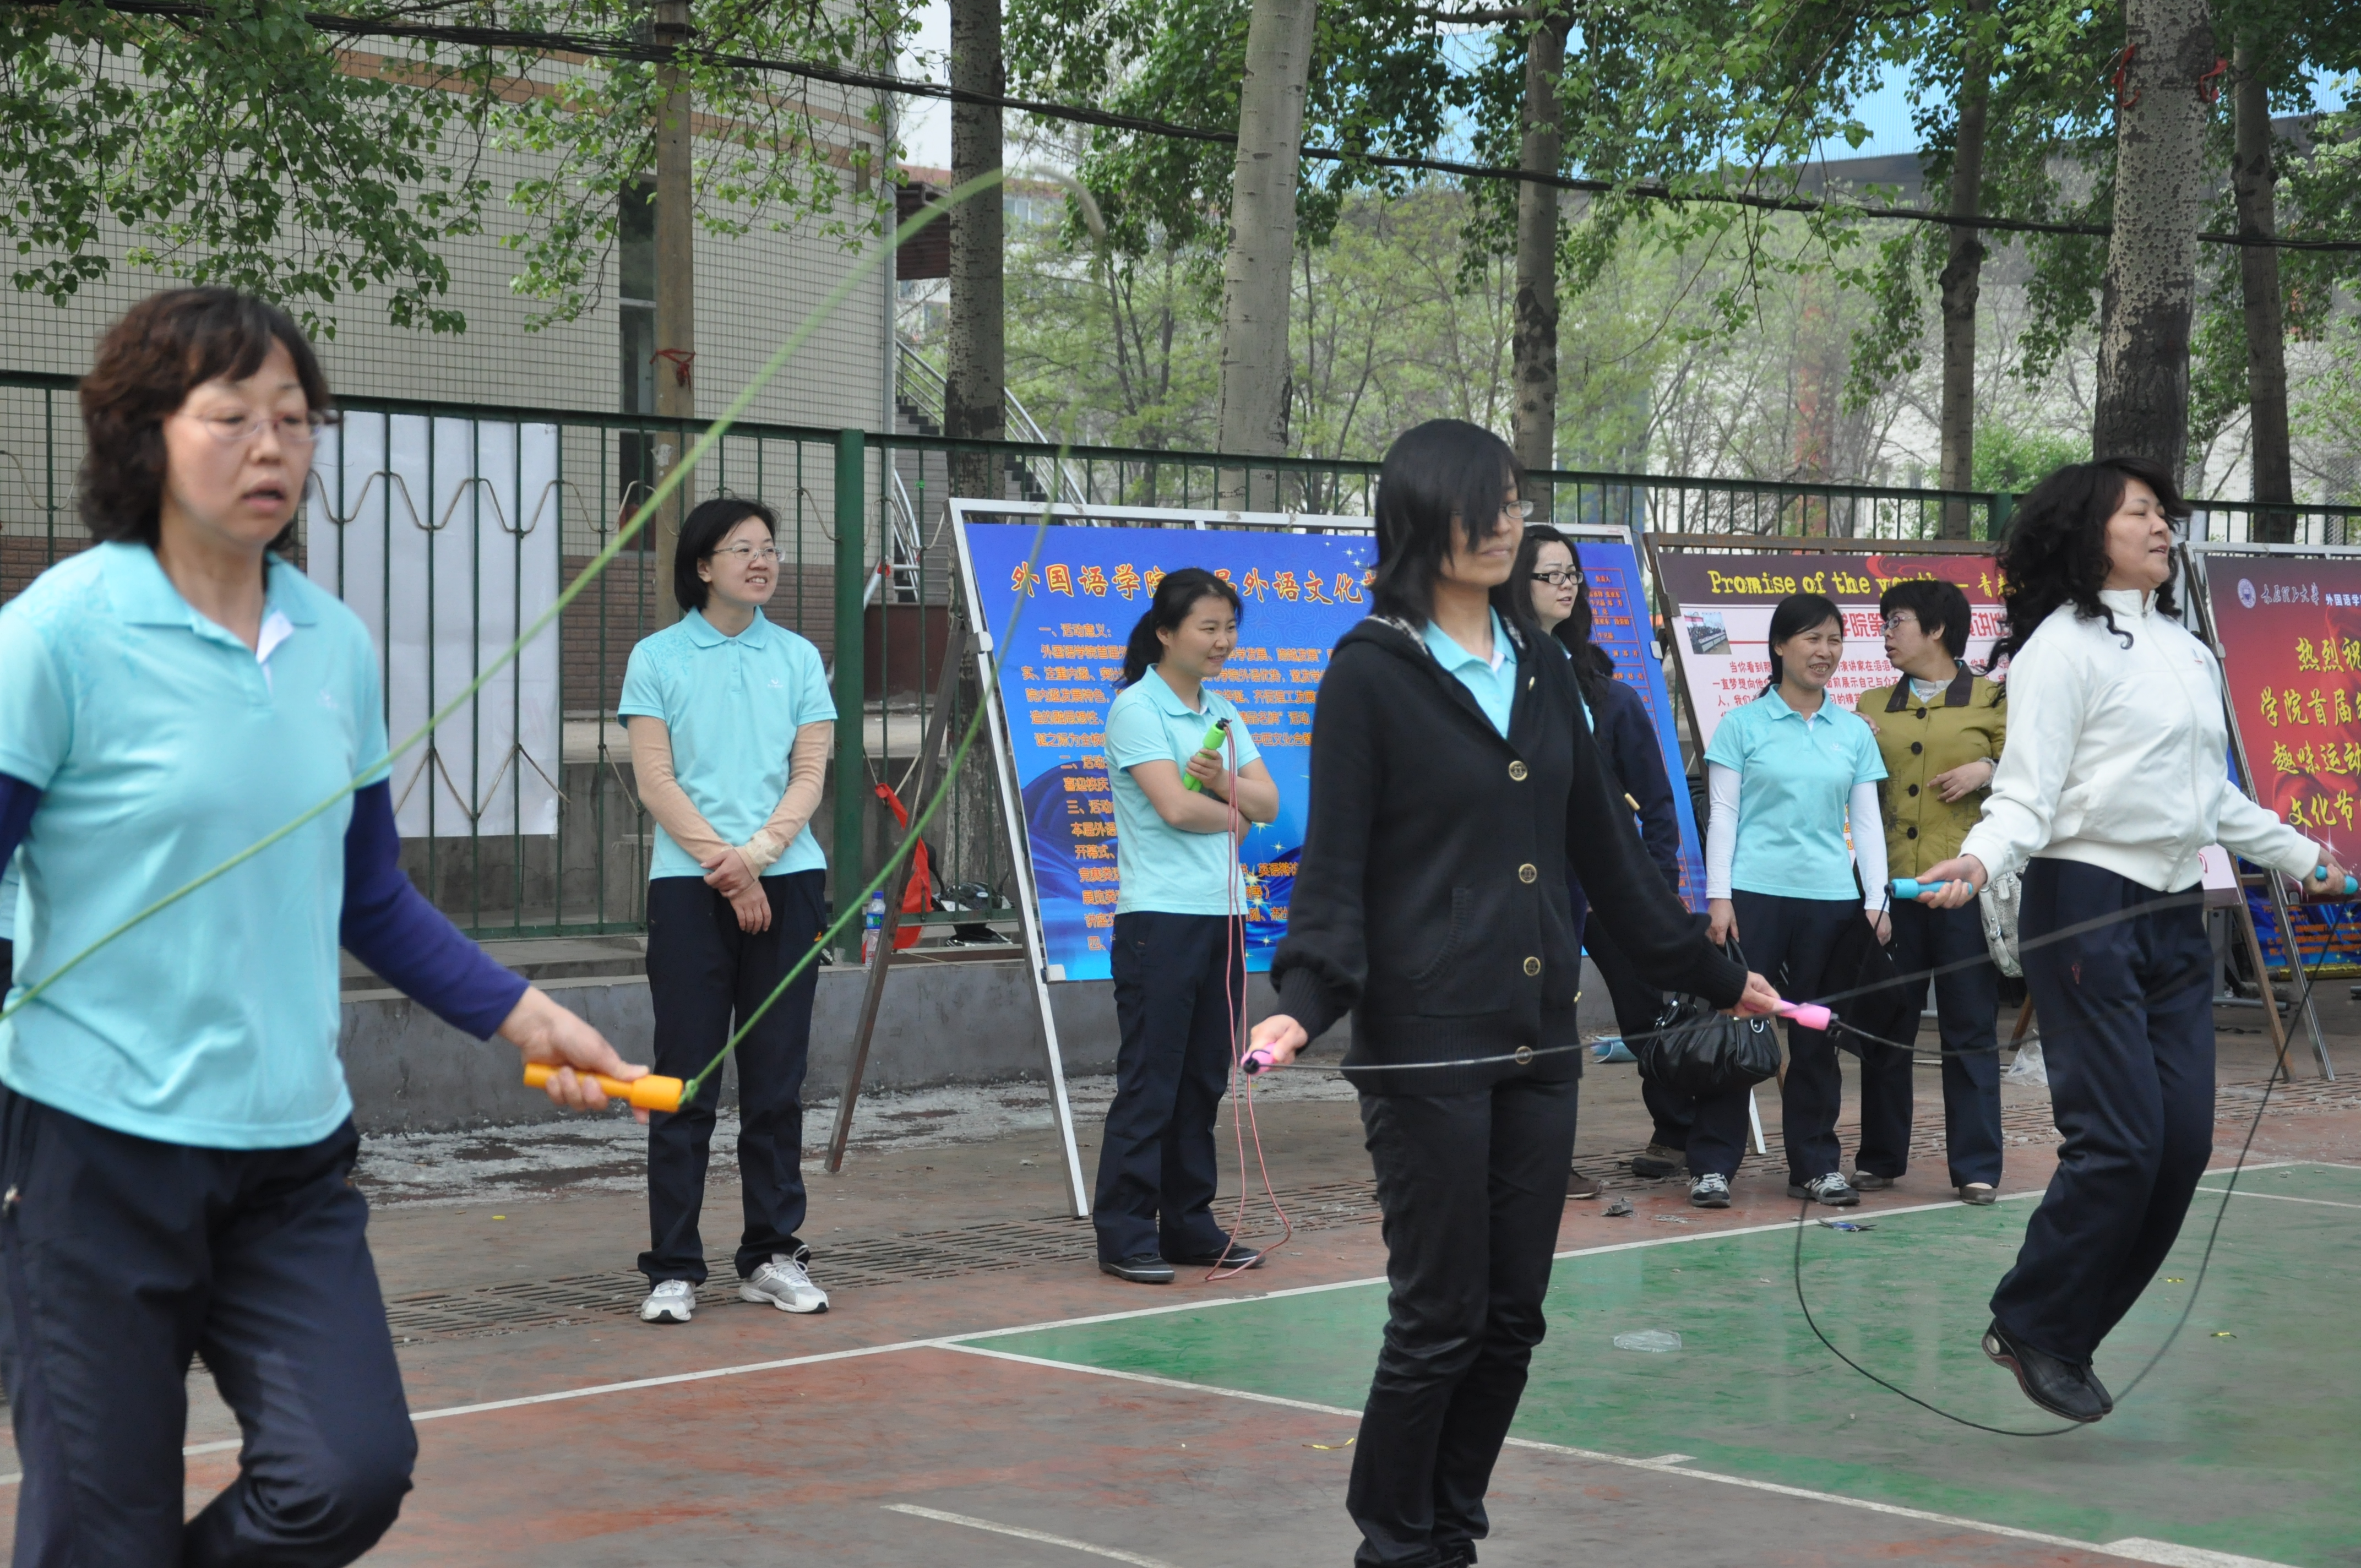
[(1838, 1025)]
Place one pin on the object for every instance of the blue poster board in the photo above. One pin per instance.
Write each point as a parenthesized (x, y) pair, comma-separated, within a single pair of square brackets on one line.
[(1620, 623), (1302, 592)]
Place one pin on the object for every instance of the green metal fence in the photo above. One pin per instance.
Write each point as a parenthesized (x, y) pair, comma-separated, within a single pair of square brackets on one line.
[(448, 526)]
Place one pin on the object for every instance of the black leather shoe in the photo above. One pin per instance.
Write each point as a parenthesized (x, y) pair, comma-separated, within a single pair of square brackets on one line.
[(1240, 1256), (2066, 1391), (2106, 1401), (1142, 1268)]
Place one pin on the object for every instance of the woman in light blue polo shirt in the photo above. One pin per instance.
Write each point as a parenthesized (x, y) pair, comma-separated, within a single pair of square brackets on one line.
[(1179, 936), (176, 1140), (731, 722), (1787, 772)]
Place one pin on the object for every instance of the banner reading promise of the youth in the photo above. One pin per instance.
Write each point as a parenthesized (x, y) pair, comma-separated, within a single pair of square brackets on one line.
[(1722, 607), (2291, 632), (1302, 592)]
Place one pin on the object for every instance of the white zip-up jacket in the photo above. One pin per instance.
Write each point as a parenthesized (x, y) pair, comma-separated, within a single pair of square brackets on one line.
[(2119, 758)]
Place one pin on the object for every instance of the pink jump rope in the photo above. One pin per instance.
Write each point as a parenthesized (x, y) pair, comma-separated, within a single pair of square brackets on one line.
[(1243, 1068)]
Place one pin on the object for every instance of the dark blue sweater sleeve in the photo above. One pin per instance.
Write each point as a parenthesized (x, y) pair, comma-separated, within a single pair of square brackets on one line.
[(1639, 763), (389, 926), (17, 800)]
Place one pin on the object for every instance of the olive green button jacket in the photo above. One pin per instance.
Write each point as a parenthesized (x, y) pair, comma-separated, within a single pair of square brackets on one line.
[(1968, 722)]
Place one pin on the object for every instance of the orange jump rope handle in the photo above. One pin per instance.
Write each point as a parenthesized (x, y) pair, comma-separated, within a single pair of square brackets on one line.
[(653, 1092)]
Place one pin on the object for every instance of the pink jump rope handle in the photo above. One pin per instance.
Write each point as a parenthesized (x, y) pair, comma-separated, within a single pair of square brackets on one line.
[(1807, 1015), (1259, 1061)]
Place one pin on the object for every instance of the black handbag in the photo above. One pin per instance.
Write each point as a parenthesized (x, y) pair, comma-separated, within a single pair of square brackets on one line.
[(1696, 1050)]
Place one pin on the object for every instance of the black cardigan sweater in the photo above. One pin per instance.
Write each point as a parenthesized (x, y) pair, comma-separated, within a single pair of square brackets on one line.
[(1430, 900), (1627, 744)]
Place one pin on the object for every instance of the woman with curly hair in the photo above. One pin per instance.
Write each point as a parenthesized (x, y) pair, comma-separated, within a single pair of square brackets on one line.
[(2116, 773)]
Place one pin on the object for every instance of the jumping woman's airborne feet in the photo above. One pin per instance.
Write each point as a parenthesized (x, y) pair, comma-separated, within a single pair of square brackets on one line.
[(2066, 1391)]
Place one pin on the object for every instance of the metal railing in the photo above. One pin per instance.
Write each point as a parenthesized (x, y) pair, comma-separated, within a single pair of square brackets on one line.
[(447, 527)]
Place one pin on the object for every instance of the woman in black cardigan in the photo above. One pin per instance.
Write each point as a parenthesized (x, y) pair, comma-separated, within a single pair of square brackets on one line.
[(1452, 777)]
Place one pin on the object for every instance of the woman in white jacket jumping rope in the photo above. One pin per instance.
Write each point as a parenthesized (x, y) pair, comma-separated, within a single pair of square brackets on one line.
[(2116, 774)]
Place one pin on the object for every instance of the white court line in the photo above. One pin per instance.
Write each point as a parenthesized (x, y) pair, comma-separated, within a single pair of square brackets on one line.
[(943, 1341), (2276, 1197), (2134, 1548), (1046, 1538)]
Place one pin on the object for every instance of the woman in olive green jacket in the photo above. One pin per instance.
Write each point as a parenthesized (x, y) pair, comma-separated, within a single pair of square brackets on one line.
[(1940, 730)]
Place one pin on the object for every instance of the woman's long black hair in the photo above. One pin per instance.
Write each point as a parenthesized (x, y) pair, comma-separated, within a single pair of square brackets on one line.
[(1434, 475), (2056, 552), (1174, 598), (1797, 613), (1594, 667)]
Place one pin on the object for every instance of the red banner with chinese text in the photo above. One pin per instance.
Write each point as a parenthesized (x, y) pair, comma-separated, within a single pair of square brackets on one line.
[(2290, 636)]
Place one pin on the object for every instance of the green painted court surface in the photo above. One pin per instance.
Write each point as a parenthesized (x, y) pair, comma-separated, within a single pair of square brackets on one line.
[(2243, 1444)]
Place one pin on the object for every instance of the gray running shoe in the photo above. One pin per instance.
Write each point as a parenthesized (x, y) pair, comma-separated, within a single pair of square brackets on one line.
[(672, 1301), (786, 1284)]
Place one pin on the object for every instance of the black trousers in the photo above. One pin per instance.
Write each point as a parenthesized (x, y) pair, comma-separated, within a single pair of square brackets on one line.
[(1786, 941), (705, 977), (1967, 1004), (1472, 1187), (1157, 1170), (2127, 1015), (125, 1258)]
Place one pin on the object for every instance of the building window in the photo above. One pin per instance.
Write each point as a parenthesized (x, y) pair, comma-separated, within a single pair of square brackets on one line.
[(635, 254)]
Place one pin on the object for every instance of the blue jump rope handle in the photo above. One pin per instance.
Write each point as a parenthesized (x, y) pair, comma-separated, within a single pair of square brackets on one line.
[(2320, 874), (1908, 889)]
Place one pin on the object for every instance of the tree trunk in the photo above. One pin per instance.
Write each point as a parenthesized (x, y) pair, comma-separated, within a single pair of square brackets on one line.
[(675, 350), (1256, 274), (1962, 281), (2258, 272), (975, 391), (1533, 425), (2151, 281)]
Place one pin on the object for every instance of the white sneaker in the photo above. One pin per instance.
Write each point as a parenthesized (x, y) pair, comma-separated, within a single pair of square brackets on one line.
[(786, 1284), (673, 1301)]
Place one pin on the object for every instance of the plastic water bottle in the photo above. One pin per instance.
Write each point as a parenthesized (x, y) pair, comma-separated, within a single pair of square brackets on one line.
[(872, 926)]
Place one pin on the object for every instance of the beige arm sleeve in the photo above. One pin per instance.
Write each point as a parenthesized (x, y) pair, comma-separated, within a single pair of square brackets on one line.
[(661, 795), (806, 772)]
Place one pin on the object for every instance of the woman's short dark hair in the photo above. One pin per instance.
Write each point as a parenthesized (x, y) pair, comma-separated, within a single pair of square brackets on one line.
[(1435, 473), (165, 347), (701, 534), (1175, 599), (1592, 663), (1796, 614), (2056, 552), (1931, 602)]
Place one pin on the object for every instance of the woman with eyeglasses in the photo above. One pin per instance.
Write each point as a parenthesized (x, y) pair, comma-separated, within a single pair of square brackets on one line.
[(176, 1138), (730, 720), (1452, 780), (1549, 575)]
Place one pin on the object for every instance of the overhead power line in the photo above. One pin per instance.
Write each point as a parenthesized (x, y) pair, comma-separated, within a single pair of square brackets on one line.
[(880, 82)]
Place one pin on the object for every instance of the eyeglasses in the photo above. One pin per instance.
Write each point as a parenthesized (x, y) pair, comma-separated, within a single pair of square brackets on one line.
[(1516, 511), (759, 554), (1904, 622), (1560, 577), (238, 428)]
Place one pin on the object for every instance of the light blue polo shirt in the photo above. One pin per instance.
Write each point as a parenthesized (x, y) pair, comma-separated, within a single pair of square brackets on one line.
[(1794, 779), (1493, 682), (733, 706), (163, 746), (1159, 867)]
